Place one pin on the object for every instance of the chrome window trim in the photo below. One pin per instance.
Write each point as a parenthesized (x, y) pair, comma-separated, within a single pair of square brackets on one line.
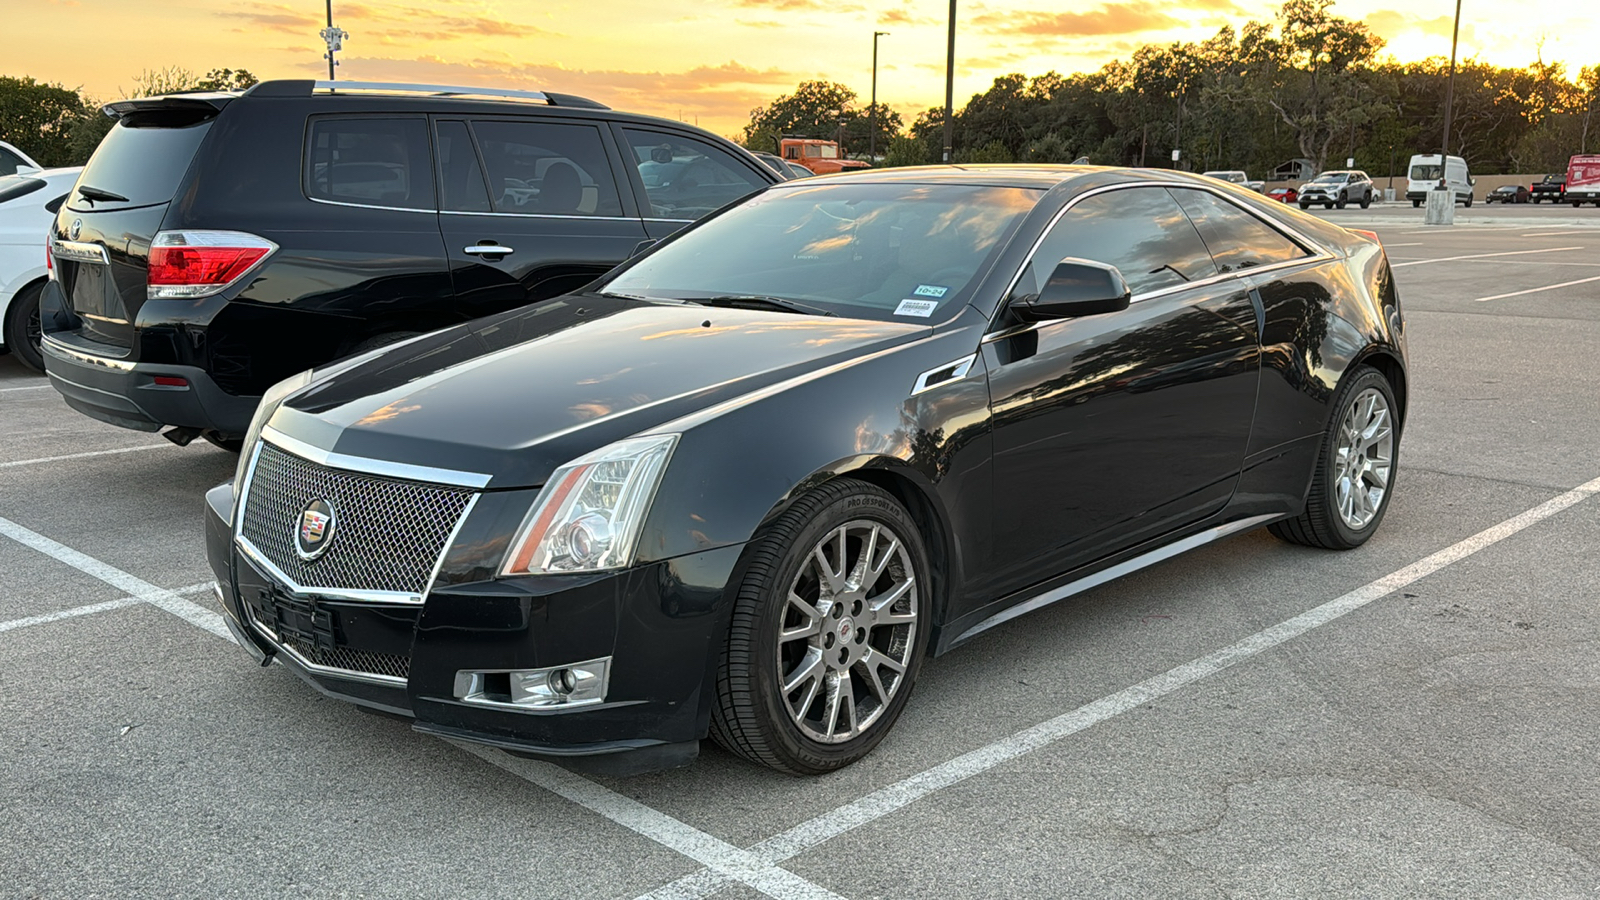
[(659, 219), (350, 674), (410, 209), (80, 251), (1320, 254), (398, 598), (1114, 572), (958, 369), (366, 465), (464, 212)]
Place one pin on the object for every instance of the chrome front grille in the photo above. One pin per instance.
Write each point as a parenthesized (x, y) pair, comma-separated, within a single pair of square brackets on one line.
[(387, 534)]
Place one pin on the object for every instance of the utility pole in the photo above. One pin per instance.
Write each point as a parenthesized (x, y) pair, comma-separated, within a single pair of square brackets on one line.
[(1449, 99), (950, 89), (872, 111), (335, 39)]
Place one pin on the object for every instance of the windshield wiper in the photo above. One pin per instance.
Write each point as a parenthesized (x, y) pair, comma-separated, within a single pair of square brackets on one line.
[(760, 301), (93, 193)]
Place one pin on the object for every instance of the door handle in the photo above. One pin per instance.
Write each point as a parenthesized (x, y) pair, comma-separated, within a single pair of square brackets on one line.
[(488, 250)]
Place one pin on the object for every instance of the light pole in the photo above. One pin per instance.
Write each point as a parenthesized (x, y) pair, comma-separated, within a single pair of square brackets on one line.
[(950, 89), (335, 38), (872, 111), (1449, 99)]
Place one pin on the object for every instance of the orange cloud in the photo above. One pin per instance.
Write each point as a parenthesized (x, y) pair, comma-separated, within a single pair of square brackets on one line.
[(1113, 18)]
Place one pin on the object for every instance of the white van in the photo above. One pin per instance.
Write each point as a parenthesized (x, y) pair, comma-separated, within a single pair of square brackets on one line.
[(1424, 177)]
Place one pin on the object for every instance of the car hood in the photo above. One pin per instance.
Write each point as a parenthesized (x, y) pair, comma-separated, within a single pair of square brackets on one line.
[(514, 396)]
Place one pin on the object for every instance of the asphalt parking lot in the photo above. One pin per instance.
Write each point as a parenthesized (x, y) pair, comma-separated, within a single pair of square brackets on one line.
[(1415, 718)]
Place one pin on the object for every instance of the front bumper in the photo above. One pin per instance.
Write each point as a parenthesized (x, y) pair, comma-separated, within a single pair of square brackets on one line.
[(659, 623)]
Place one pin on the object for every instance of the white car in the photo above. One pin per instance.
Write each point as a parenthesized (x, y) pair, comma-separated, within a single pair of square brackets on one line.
[(13, 161), (1235, 176), (28, 205)]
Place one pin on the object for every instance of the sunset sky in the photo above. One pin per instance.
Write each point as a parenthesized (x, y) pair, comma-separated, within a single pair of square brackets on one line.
[(709, 61)]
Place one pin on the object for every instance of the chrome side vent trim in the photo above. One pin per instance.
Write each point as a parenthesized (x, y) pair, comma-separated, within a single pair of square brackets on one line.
[(955, 370)]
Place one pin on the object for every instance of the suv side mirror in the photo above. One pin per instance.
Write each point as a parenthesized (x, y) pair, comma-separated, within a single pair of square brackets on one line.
[(1077, 287)]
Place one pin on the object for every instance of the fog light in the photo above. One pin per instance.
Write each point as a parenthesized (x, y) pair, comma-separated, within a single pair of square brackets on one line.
[(556, 688)]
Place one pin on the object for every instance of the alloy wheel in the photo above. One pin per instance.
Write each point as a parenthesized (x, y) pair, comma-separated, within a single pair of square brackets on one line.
[(1363, 459), (848, 631)]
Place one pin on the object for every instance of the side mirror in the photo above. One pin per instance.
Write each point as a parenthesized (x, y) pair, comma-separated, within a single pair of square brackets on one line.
[(1077, 287)]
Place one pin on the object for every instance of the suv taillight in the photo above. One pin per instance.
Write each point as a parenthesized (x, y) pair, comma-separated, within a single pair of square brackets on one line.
[(186, 264)]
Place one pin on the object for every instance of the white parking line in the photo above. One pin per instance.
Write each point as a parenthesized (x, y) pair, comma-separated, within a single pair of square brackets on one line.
[(161, 598), (727, 861), (1548, 287), (92, 608), (1570, 233), (884, 801), (48, 459), (720, 857), (1406, 244), (35, 387), (1484, 256)]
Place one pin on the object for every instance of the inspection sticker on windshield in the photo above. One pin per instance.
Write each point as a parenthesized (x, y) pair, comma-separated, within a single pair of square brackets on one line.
[(931, 290), (919, 308)]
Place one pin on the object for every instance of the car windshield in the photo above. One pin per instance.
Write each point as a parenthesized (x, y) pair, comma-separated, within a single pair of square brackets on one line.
[(1424, 173), (896, 252), (1330, 178)]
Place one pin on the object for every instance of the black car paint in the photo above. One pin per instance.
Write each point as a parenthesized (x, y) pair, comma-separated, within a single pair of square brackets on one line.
[(342, 273), (822, 398)]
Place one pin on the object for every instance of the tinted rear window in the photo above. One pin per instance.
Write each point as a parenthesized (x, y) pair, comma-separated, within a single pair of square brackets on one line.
[(142, 159), (371, 162), (14, 186)]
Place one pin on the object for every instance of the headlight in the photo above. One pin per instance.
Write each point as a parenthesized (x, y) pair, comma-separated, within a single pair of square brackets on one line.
[(270, 401), (587, 517)]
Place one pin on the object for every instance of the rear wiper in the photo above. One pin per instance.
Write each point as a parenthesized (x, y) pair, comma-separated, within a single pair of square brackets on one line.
[(93, 193), (759, 301)]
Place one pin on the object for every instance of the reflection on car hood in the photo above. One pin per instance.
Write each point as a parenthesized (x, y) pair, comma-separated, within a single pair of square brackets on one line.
[(515, 395)]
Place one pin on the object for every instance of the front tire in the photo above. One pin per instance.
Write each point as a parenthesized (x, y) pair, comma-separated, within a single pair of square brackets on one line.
[(1354, 477), (1366, 200), (829, 630), (22, 333), (1342, 201)]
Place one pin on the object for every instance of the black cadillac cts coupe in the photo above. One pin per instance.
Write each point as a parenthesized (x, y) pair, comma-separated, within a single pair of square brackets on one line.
[(745, 483)]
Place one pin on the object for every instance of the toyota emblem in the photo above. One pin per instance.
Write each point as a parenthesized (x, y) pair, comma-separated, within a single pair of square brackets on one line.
[(315, 530), (77, 228)]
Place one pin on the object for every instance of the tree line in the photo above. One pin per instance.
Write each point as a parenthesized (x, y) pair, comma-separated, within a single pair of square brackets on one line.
[(60, 126), (1306, 85)]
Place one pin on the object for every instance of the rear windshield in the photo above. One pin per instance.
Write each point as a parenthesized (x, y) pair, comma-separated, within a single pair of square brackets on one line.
[(14, 186), (1424, 173), (142, 158)]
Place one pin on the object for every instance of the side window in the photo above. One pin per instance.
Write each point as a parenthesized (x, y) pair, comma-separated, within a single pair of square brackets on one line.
[(1237, 240), (370, 161), (460, 174), (685, 178), (9, 162), (547, 168), (1141, 231)]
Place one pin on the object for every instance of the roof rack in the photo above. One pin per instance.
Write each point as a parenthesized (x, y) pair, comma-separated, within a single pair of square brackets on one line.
[(446, 90)]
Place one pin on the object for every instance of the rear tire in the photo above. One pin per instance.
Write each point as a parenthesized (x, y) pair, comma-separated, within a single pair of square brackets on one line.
[(1327, 206), (814, 624), (1357, 457), (22, 327), (1416, 204)]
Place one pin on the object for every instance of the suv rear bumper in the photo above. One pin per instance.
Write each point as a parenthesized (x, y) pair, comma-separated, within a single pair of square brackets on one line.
[(125, 393)]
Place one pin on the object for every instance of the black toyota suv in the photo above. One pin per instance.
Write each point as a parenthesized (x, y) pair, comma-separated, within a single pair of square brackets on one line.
[(217, 243)]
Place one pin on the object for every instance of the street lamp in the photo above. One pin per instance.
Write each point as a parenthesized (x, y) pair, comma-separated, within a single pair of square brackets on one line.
[(872, 111), (950, 88)]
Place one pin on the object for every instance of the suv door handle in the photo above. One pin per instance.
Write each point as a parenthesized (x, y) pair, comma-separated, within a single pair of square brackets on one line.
[(488, 250)]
